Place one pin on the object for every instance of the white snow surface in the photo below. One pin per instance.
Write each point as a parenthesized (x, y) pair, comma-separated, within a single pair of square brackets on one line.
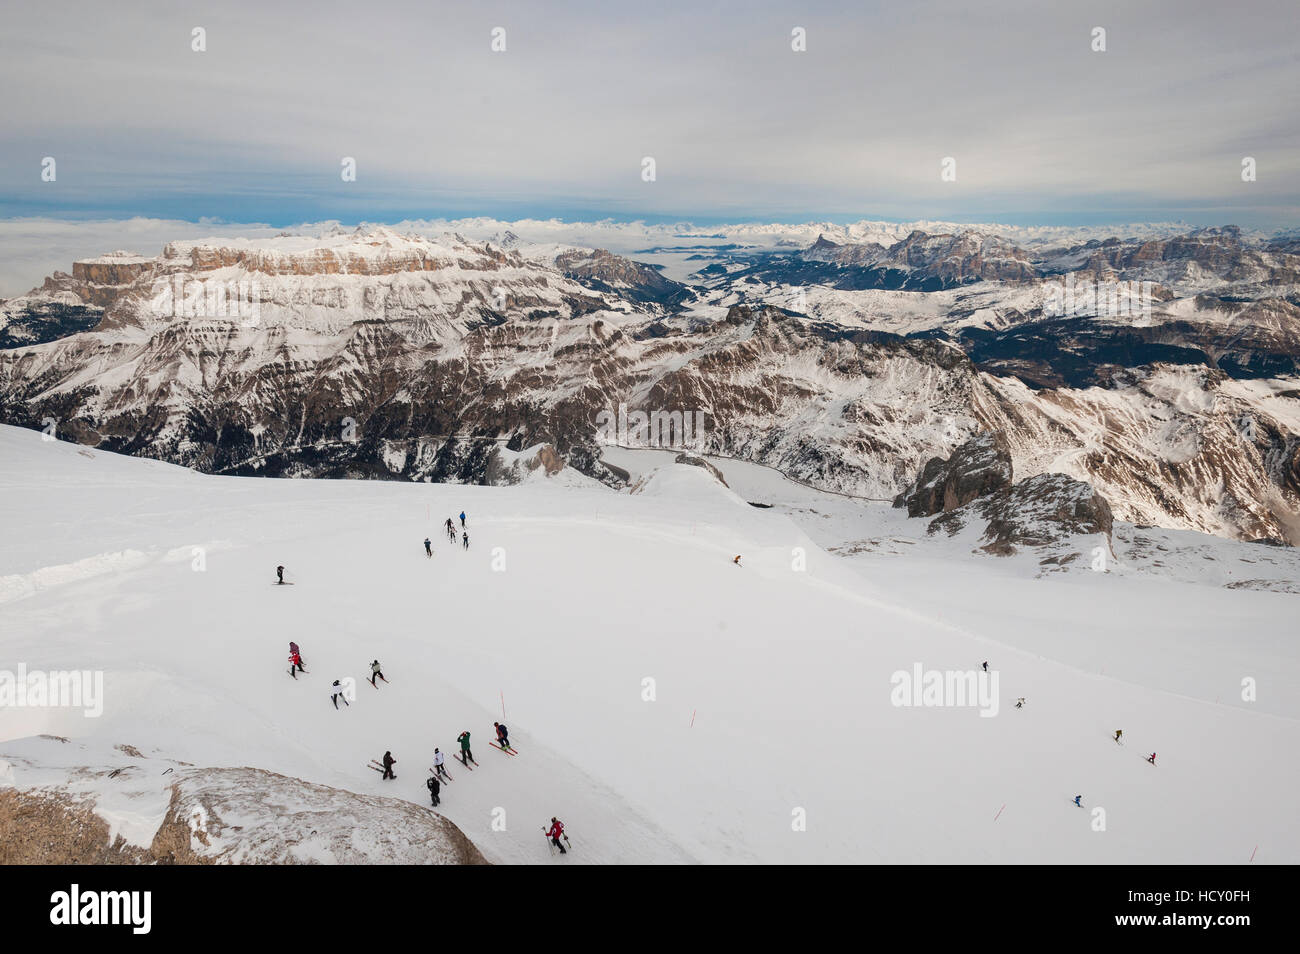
[(772, 693)]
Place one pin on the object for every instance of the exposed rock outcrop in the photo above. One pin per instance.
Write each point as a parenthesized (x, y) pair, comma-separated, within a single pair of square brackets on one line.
[(1035, 513), (977, 468)]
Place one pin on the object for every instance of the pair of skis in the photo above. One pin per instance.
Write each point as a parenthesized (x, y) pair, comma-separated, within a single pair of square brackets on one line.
[(461, 758), (440, 776), (372, 681), (508, 751)]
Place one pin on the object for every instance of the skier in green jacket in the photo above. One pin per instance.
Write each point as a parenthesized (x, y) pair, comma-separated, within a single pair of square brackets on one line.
[(465, 752)]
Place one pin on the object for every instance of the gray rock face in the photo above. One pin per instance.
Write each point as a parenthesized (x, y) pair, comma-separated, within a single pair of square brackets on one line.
[(1044, 510), (977, 468), (1038, 513)]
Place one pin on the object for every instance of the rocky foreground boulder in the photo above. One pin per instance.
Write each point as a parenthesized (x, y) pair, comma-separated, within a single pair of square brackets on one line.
[(980, 467), (62, 802)]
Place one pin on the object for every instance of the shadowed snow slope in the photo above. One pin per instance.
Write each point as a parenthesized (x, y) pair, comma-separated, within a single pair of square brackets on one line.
[(771, 681)]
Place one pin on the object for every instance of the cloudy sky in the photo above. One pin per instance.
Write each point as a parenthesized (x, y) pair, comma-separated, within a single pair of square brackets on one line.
[(740, 126)]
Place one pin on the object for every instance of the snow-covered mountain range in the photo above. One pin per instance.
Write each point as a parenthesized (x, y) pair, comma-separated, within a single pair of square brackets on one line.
[(1161, 367)]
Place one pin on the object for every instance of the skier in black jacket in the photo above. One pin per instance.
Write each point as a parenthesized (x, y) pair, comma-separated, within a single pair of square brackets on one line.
[(389, 762), (434, 786)]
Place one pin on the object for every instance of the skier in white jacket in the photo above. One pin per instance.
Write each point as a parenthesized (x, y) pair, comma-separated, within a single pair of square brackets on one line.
[(438, 759)]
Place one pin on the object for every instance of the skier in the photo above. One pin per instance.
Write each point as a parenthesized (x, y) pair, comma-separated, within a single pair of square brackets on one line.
[(503, 735), (438, 768), (465, 752), (1118, 733), (389, 762), (428, 547), (466, 537), (1076, 800), (1020, 703), (736, 560), (433, 786), (376, 672), (279, 574), (336, 692), (451, 530), (295, 664), (986, 666), (557, 829), (462, 519), (1152, 758)]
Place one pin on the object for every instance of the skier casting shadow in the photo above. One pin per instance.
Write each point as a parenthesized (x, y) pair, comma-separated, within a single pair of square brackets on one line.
[(336, 693)]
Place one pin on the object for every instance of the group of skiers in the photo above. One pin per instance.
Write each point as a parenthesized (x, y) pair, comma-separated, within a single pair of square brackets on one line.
[(451, 535), (1119, 735), (439, 775), (337, 689), (439, 771)]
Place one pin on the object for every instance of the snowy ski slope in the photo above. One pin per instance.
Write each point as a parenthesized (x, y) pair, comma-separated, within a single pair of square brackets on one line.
[(771, 685)]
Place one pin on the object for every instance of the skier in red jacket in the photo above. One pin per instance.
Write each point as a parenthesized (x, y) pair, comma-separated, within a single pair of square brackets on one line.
[(557, 829)]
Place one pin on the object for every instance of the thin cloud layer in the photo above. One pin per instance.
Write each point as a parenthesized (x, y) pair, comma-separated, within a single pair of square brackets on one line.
[(1042, 127)]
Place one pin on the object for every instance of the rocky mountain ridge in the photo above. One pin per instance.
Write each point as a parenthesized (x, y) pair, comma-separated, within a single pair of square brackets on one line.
[(371, 354)]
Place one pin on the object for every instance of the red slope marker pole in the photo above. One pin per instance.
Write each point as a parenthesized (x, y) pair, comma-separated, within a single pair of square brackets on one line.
[(1252, 854), (692, 718), (503, 703), (999, 814)]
